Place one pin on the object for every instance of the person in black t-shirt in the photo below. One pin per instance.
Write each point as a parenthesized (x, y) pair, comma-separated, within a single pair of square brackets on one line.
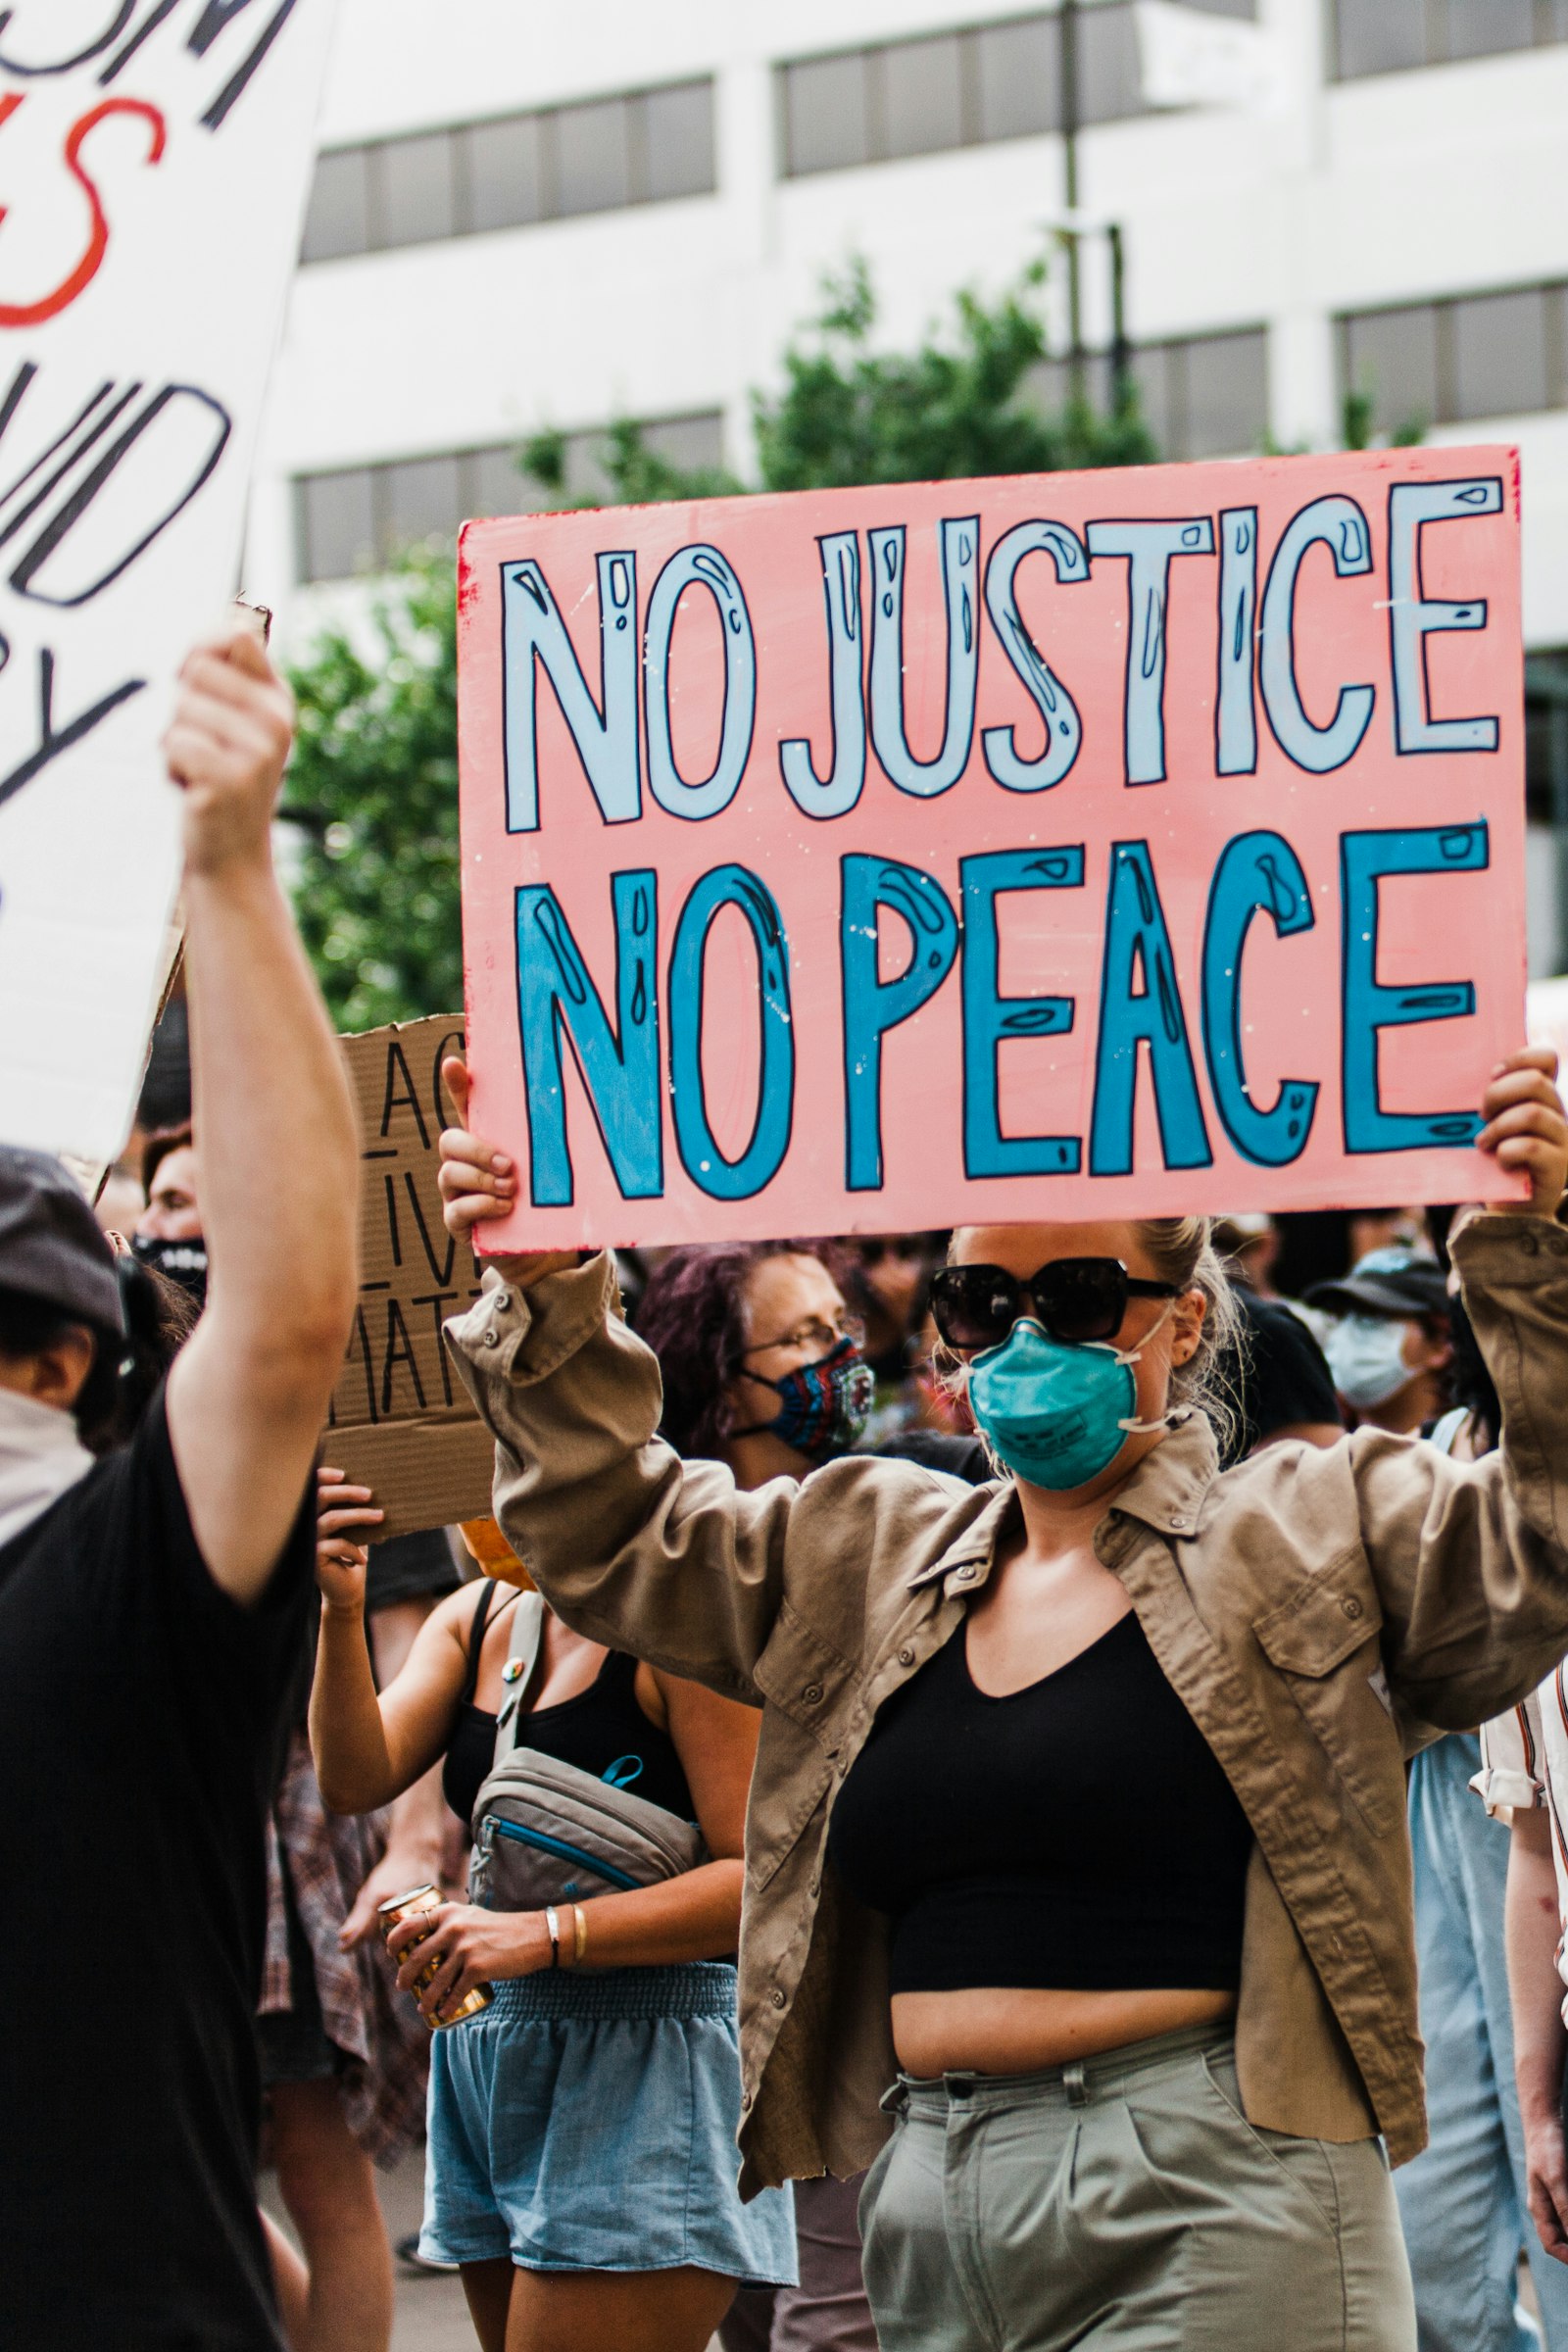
[(152, 1607)]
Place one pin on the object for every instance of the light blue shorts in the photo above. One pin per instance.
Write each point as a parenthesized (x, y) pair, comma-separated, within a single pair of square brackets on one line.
[(587, 2123)]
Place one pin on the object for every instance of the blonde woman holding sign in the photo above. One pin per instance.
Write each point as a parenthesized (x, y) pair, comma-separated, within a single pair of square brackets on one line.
[(1078, 1878)]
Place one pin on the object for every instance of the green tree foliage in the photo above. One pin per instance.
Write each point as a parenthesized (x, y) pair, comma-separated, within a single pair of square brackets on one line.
[(373, 785), (958, 406), (373, 791)]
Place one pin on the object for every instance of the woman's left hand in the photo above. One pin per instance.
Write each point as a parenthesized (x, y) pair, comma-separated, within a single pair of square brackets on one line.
[(1525, 1127), (474, 1946)]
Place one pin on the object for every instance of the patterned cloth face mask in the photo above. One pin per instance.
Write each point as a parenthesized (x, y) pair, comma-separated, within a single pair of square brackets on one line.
[(823, 1407)]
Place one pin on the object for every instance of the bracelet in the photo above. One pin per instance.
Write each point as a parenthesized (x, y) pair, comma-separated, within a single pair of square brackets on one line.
[(580, 1939), (552, 1924)]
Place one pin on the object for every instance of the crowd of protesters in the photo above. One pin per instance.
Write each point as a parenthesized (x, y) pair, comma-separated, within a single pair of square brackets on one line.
[(1097, 1690)]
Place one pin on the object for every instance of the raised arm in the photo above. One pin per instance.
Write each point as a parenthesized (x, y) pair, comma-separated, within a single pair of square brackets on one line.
[(630, 1544), (1471, 1558), (370, 1746), (279, 1151)]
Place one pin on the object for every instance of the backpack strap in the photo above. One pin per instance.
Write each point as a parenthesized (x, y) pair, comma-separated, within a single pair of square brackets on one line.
[(523, 1663)]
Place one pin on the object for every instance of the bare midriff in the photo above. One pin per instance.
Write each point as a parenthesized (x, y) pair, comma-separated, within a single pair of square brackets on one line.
[(1011, 2031)]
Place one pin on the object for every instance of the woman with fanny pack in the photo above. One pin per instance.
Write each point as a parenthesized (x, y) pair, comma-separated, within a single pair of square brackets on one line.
[(580, 2170), (1077, 1835)]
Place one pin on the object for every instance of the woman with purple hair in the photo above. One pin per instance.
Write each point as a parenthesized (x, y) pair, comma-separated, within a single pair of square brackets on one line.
[(763, 1370)]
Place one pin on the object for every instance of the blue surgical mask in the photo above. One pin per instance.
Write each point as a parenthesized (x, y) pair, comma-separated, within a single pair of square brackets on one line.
[(1054, 1412), (1366, 1357)]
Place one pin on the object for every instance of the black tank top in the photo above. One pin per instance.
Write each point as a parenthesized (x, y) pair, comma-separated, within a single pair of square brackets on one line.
[(602, 1731), (1076, 1834)]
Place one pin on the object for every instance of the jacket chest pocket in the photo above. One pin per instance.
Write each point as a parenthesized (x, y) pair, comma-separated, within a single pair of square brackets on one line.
[(1324, 1645), (806, 1686)]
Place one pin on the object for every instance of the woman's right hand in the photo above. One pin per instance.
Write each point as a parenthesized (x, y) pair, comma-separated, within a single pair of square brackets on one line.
[(340, 1561), (478, 1183)]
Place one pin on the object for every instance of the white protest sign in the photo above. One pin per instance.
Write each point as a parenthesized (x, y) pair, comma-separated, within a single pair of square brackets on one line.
[(154, 163)]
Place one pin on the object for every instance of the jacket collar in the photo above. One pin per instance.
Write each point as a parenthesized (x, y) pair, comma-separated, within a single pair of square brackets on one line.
[(1167, 1492)]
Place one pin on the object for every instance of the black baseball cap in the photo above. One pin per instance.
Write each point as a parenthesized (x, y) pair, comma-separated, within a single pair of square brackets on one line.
[(50, 1246), (1387, 1282)]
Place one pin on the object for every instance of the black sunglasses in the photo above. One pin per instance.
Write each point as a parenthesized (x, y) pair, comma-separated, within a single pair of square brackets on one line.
[(1076, 1298)]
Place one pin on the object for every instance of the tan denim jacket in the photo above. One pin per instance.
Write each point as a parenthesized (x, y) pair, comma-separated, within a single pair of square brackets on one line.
[(1321, 1614)]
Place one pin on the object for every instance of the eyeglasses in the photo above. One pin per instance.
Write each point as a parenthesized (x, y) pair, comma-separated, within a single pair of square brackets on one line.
[(821, 1338), (1076, 1298)]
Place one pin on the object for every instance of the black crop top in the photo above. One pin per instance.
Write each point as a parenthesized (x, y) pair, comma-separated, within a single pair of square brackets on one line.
[(1078, 1834), (603, 1731)]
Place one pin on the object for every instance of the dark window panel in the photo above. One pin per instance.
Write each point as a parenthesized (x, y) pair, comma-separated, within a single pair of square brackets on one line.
[(1110, 71), (337, 523), (1160, 397), (1484, 27), (593, 156), (1047, 386), (1501, 365), (678, 126), (504, 181), (826, 114), (1017, 66), (1379, 36), (338, 218), (1227, 395), (420, 498), (694, 443), (1392, 356), (489, 484), (922, 96), (1551, 19), (414, 199)]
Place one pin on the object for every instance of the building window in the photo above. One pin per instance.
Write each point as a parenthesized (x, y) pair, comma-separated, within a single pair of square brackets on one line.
[(962, 88), (1390, 36), (1202, 396), (549, 165), (1454, 362), (356, 517)]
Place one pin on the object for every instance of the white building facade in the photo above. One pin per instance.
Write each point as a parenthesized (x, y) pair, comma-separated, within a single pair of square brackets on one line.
[(529, 218)]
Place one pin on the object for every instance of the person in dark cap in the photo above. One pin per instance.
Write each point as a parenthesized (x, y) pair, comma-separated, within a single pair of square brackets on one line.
[(154, 1574), (1388, 1341)]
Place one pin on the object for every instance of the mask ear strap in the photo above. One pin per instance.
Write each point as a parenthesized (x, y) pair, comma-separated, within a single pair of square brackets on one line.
[(1130, 1355), (1139, 1429)]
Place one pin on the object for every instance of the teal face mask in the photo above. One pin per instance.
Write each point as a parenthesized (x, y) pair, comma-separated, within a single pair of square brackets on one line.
[(1055, 1413)]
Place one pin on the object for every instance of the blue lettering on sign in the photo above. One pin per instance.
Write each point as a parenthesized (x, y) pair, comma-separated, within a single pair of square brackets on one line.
[(836, 793), (1369, 1008), (1236, 707), (1065, 732), (1257, 873), (534, 637), (1413, 616), (700, 567), (705, 1164), (620, 1067), (1148, 548), (873, 1005), (960, 565), (991, 1020), (1340, 525), (1137, 938)]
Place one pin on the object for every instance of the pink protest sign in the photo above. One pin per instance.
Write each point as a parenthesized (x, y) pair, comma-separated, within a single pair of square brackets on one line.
[(1065, 846)]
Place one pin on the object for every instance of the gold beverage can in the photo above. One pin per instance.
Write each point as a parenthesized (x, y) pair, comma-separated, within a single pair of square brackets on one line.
[(427, 1899)]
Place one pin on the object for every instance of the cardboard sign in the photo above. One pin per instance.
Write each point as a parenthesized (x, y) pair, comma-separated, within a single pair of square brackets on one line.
[(401, 1421), (1080, 846), (154, 163)]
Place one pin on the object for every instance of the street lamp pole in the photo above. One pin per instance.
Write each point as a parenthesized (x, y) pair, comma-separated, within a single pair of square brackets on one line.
[(1067, 76)]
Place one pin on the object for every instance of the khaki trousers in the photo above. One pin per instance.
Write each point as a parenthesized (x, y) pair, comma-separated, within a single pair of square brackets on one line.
[(1126, 2204)]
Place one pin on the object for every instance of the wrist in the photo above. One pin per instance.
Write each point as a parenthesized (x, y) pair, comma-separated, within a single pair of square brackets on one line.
[(230, 865)]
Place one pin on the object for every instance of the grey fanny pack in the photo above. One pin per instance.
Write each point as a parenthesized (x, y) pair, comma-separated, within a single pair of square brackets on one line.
[(546, 1832)]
